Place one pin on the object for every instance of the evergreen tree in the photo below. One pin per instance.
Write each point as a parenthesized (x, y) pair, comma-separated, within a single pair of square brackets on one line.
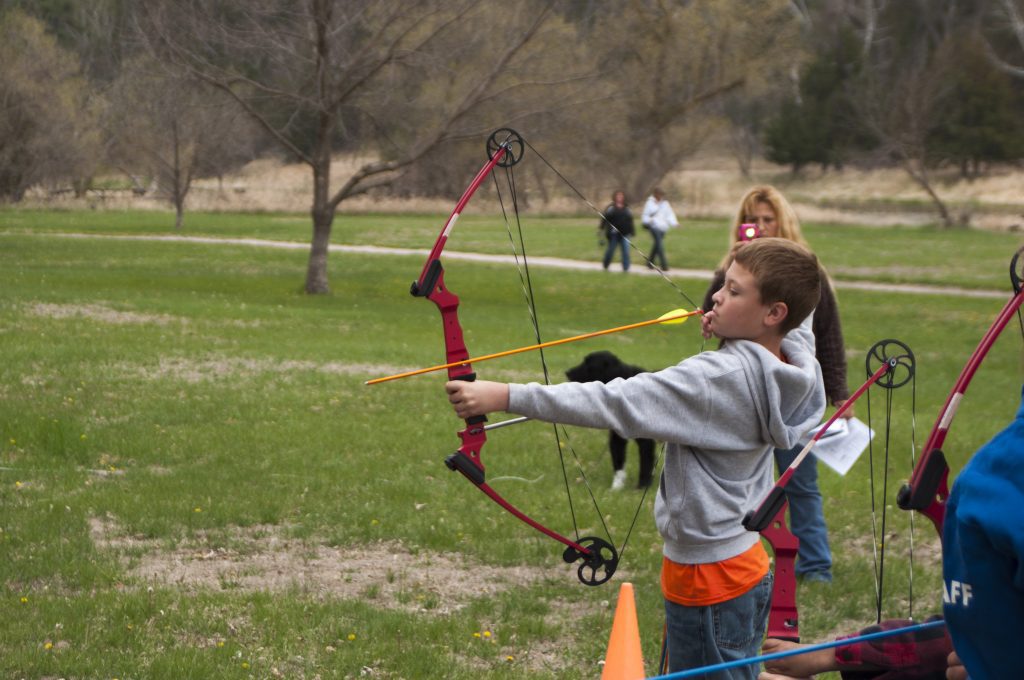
[(818, 126)]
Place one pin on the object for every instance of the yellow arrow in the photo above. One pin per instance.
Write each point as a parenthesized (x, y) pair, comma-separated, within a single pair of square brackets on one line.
[(676, 316)]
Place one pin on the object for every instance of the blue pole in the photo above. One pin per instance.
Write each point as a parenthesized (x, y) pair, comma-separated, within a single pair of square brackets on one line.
[(694, 672)]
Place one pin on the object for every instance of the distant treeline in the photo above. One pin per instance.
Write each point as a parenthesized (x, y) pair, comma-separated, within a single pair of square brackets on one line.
[(166, 91)]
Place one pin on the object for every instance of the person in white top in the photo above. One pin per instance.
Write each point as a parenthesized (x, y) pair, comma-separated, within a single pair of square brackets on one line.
[(658, 217)]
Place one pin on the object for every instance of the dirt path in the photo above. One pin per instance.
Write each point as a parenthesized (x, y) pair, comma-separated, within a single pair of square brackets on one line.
[(556, 262)]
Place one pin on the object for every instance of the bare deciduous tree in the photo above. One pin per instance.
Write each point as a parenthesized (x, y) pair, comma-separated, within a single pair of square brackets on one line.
[(162, 125), (1007, 20), (312, 74), (900, 96), (681, 58)]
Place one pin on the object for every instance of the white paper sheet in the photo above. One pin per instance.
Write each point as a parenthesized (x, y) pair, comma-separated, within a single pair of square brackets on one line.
[(841, 444)]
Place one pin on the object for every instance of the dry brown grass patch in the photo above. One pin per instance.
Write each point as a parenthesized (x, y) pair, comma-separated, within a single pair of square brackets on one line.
[(101, 313), (264, 558)]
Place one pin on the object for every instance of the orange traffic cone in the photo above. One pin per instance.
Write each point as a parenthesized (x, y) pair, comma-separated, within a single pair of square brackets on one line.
[(624, 660)]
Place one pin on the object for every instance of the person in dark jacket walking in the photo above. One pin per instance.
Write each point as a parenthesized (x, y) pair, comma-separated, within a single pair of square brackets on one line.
[(617, 225)]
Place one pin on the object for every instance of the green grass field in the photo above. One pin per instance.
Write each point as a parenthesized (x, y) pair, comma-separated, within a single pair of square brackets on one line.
[(194, 482)]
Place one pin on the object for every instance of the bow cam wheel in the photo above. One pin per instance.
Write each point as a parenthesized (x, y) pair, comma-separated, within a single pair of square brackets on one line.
[(899, 358), (599, 565), (511, 141)]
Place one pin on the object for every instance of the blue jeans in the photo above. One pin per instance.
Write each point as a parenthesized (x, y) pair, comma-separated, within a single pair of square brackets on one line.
[(617, 240), (727, 631), (806, 515), (658, 249)]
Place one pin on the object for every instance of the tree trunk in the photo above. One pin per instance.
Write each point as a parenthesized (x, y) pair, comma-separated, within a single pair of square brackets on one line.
[(323, 207), (316, 272), (323, 219), (177, 193)]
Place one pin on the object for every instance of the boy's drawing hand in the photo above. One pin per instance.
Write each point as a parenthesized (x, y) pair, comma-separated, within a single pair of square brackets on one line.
[(705, 326), (477, 398)]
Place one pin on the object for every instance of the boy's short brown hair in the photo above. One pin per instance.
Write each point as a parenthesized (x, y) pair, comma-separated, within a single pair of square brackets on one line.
[(784, 271)]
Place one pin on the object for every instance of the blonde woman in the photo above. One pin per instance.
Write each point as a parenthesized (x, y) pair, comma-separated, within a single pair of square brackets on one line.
[(774, 217)]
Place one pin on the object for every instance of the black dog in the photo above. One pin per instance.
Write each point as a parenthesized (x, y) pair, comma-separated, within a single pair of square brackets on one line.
[(605, 367)]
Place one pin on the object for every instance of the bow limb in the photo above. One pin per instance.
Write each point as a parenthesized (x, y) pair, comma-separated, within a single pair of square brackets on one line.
[(928, 488), (598, 558)]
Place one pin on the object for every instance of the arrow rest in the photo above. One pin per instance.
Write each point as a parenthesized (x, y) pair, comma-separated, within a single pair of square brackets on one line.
[(599, 565), (900, 359), (512, 142)]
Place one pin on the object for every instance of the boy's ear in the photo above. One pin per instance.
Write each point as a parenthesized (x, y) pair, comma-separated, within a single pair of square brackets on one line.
[(777, 313)]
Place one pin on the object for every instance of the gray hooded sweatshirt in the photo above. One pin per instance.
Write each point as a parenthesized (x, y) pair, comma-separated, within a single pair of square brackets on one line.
[(721, 414)]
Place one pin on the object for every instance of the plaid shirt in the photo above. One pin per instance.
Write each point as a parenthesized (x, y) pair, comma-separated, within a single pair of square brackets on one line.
[(920, 655)]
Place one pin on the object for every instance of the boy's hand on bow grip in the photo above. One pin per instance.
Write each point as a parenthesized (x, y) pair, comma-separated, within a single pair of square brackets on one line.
[(476, 398)]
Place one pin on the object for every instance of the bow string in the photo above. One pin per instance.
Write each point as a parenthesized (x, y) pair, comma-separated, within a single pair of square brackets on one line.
[(889, 364), (598, 558)]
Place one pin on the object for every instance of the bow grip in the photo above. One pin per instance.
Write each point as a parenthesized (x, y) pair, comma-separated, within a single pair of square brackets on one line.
[(470, 377), (759, 519)]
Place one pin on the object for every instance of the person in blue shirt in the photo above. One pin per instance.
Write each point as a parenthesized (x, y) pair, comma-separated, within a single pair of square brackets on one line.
[(983, 558)]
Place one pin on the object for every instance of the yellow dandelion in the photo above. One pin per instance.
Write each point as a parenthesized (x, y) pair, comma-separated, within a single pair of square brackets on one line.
[(245, 664), (351, 637), (509, 658), (487, 633), (48, 645), (220, 643), (197, 509), (24, 600), (476, 635), (17, 484)]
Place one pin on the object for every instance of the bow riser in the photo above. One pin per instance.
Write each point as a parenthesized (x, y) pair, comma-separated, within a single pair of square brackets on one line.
[(783, 619)]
